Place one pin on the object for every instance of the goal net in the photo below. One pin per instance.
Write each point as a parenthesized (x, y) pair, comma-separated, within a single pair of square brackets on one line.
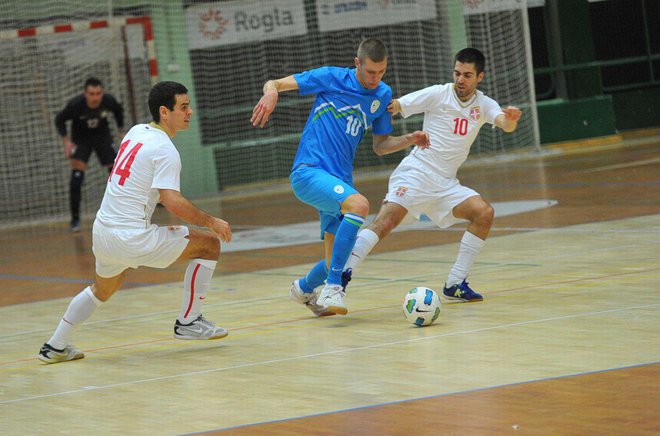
[(45, 65), (499, 28)]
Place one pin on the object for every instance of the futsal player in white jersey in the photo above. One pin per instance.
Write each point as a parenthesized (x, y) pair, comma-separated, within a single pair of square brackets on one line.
[(147, 170), (425, 180)]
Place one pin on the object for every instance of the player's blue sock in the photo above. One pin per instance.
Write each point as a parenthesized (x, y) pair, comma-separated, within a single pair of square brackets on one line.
[(315, 277), (344, 241)]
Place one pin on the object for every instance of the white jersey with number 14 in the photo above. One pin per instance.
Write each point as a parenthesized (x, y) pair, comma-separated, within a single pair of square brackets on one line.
[(452, 125), (147, 161)]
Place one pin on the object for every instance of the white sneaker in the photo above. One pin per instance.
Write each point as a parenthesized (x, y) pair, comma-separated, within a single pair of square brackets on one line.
[(49, 354), (200, 328), (308, 299), (332, 298)]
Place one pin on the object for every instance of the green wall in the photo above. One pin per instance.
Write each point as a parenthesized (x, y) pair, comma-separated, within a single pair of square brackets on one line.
[(584, 109), (562, 120), (637, 109)]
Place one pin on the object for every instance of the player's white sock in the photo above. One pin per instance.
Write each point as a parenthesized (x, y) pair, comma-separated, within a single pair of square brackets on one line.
[(467, 252), (365, 242), (195, 286), (81, 308)]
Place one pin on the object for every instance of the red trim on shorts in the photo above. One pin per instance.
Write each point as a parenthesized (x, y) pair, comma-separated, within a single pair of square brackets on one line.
[(192, 290)]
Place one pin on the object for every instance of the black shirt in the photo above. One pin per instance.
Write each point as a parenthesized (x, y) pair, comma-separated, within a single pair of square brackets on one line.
[(89, 123)]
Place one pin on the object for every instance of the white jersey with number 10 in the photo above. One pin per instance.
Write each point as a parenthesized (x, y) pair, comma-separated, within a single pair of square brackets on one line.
[(452, 125), (147, 161)]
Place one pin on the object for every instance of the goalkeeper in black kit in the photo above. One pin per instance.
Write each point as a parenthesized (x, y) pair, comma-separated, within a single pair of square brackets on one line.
[(90, 131)]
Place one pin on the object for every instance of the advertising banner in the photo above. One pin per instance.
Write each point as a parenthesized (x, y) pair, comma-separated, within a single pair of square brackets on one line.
[(337, 15), (232, 22)]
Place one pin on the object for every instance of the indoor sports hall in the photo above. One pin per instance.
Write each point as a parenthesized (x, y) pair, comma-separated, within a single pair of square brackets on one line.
[(566, 338)]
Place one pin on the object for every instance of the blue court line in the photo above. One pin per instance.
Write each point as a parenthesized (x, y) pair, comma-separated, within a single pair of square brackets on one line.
[(62, 280), (429, 397)]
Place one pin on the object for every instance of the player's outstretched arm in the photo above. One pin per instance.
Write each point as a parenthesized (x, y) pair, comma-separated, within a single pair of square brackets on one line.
[(184, 209), (509, 120), (385, 144), (266, 106)]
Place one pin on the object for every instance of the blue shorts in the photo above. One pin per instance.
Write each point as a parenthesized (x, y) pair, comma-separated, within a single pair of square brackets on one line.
[(324, 192)]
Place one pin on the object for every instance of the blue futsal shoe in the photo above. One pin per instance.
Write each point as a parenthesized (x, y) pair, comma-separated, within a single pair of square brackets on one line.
[(461, 292)]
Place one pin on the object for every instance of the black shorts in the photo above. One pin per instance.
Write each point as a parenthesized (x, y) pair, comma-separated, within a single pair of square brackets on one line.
[(101, 146)]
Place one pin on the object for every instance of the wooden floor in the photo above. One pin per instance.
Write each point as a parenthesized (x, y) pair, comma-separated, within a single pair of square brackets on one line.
[(567, 340)]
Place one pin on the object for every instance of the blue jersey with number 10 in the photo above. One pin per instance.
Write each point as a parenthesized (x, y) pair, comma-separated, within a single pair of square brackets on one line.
[(342, 111)]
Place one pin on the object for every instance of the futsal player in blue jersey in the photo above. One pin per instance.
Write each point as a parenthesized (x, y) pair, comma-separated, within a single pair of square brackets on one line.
[(348, 102)]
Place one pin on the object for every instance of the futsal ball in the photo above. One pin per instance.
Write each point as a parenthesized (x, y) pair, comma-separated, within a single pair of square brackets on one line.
[(421, 306)]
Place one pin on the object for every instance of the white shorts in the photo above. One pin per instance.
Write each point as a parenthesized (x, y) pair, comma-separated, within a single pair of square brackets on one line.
[(422, 192), (117, 249)]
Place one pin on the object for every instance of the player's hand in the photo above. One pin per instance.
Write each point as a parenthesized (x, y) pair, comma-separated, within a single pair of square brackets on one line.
[(222, 229), (421, 139), (263, 109), (394, 107), (69, 148), (512, 113)]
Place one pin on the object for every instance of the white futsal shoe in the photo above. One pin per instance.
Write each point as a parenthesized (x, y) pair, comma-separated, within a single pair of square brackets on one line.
[(49, 354), (332, 298), (200, 329), (308, 299)]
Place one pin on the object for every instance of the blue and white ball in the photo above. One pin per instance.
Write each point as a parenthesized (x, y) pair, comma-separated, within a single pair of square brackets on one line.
[(421, 306)]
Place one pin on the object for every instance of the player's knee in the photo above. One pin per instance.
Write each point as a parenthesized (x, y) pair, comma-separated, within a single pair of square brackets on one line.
[(202, 245), (211, 249), (77, 164), (356, 204), (103, 292), (486, 215)]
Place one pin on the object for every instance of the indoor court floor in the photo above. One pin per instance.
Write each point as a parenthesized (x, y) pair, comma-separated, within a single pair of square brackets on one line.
[(566, 341)]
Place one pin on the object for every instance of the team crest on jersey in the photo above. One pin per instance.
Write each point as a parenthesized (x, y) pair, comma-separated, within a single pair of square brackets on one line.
[(375, 105), (475, 113), (400, 191)]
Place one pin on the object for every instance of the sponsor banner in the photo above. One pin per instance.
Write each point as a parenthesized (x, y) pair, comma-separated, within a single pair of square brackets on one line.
[(473, 7), (233, 22), (337, 15)]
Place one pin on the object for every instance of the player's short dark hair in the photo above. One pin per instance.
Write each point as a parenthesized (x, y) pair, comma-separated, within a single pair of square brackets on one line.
[(373, 49), (93, 82), (471, 56), (164, 94)]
